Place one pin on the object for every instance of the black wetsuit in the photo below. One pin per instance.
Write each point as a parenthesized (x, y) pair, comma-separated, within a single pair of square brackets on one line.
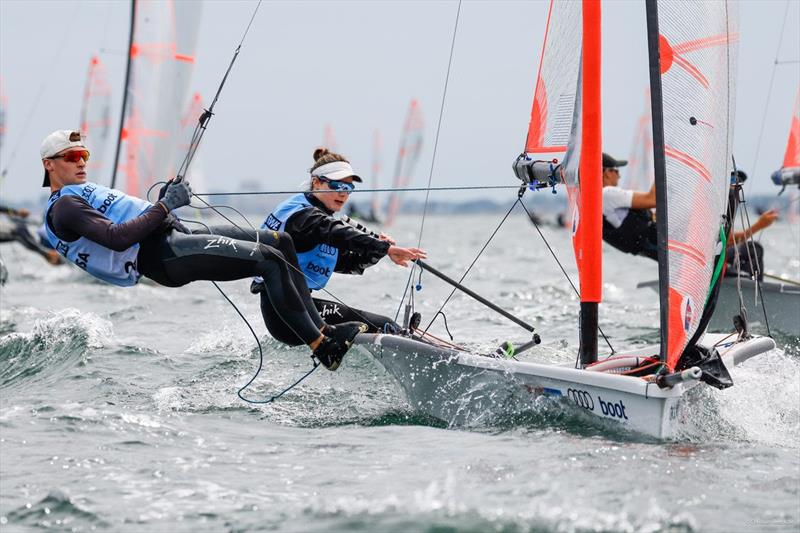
[(358, 250), (171, 256), (636, 235)]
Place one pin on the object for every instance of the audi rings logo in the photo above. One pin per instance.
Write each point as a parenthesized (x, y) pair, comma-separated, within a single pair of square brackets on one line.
[(582, 398)]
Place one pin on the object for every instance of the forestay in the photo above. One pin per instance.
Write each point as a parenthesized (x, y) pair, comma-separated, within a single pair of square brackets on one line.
[(697, 44)]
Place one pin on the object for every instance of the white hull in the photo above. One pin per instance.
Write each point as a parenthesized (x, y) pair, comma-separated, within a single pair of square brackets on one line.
[(457, 387)]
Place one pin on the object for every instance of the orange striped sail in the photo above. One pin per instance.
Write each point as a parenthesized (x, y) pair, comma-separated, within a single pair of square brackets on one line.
[(407, 156), (95, 122), (697, 57), (162, 56)]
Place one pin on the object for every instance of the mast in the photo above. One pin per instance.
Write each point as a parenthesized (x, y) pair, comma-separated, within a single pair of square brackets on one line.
[(589, 235), (660, 167), (124, 97)]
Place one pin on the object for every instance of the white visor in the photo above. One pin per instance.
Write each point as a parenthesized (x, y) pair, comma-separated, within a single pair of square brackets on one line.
[(336, 171)]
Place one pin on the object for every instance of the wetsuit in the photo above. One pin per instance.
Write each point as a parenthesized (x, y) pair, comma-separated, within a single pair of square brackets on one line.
[(171, 256), (751, 259), (318, 237)]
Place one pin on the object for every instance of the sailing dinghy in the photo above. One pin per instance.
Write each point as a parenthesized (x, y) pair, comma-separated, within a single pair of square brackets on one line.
[(692, 56)]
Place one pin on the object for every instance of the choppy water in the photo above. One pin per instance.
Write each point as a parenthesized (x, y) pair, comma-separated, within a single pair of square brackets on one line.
[(119, 412)]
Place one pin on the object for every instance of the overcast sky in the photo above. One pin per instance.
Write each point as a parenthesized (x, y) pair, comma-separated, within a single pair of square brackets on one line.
[(356, 65)]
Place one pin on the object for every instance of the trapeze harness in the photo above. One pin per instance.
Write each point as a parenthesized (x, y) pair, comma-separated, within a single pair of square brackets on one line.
[(117, 268), (636, 235)]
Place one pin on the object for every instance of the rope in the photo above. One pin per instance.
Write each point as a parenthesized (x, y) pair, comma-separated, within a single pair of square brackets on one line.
[(769, 93), (464, 275), (388, 189), (435, 149), (575, 289)]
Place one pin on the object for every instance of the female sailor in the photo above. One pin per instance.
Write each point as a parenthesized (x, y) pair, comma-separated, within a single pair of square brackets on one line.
[(118, 238), (326, 244)]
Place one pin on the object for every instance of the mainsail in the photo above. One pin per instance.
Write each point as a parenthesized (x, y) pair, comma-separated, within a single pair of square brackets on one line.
[(692, 74), (639, 175), (95, 122), (407, 157), (162, 56)]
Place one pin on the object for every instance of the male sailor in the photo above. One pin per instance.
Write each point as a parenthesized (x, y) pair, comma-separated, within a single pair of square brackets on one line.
[(118, 238), (628, 223)]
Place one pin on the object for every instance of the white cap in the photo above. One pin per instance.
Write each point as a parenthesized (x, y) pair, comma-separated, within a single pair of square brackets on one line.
[(336, 171), (57, 142)]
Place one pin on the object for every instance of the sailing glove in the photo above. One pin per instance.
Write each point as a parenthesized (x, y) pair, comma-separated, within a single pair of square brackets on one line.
[(178, 194)]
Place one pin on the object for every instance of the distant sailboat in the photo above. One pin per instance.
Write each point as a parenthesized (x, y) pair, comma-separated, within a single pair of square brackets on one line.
[(95, 121), (329, 139), (407, 157), (639, 174), (161, 59), (789, 173), (692, 81)]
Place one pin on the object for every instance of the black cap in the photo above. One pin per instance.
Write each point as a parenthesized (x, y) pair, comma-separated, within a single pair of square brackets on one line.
[(610, 162)]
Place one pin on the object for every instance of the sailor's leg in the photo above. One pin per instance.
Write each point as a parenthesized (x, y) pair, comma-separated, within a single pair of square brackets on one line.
[(24, 236), (196, 257), (337, 313), (282, 242)]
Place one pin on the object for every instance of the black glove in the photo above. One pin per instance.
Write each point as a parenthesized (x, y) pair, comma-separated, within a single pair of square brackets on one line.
[(178, 194)]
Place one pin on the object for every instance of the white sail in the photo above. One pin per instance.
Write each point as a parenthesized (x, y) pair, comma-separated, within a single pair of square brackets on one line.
[(162, 59), (697, 45)]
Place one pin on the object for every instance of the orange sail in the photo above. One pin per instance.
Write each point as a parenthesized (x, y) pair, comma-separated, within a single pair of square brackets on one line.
[(792, 156), (407, 157)]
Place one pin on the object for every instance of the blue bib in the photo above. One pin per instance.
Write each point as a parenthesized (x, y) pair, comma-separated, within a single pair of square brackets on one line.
[(118, 268), (318, 263)]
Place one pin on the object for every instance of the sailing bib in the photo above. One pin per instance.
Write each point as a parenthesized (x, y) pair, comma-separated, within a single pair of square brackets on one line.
[(317, 263), (117, 268)]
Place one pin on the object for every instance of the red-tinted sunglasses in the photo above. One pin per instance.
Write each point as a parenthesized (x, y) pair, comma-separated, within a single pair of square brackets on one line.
[(73, 156)]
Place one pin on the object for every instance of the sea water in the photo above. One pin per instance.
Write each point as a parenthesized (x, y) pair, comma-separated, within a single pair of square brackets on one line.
[(119, 409)]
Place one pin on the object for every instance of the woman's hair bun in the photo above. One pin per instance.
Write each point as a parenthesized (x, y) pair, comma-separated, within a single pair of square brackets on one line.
[(319, 152)]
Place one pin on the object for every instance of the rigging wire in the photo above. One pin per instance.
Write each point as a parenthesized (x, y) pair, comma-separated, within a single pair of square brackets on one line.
[(769, 92), (553, 253), (387, 189), (435, 149)]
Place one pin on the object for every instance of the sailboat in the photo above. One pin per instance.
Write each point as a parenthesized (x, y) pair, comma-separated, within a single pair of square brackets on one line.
[(639, 174), (95, 121), (407, 157), (161, 57), (692, 58)]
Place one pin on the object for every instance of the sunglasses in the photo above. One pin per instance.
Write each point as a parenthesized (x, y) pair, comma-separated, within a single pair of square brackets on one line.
[(73, 156), (338, 186), (612, 169)]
